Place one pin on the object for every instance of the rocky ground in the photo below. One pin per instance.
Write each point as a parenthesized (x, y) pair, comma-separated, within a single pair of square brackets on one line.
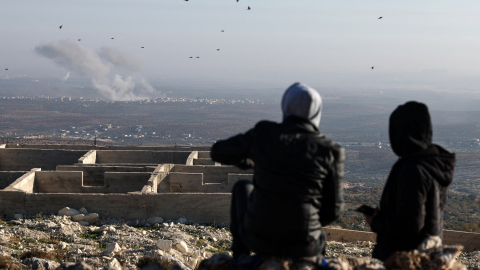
[(115, 242)]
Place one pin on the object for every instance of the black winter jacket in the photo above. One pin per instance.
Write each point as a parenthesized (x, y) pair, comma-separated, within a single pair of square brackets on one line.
[(297, 185), (414, 197)]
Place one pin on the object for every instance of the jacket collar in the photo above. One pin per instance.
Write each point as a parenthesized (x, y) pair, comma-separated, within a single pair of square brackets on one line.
[(295, 124)]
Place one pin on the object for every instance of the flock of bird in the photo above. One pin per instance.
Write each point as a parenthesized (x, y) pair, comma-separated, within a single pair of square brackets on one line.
[(248, 8)]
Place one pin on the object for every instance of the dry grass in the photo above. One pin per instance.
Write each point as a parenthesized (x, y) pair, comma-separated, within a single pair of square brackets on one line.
[(35, 253), (144, 261), (7, 263)]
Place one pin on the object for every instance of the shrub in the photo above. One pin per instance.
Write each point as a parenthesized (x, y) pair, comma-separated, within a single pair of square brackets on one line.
[(144, 261), (35, 253), (7, 263)]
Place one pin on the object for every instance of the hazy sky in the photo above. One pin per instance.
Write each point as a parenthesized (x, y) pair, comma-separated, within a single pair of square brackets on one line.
[(277, 42)]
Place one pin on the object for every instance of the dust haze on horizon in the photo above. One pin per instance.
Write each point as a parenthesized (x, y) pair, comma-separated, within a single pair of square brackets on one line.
[(429, 46)]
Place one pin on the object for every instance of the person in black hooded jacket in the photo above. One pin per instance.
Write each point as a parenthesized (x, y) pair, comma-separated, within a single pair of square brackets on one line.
[(296, 187), (414, 197)]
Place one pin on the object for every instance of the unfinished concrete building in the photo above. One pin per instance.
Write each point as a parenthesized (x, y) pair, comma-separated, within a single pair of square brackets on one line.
[(116, 182)]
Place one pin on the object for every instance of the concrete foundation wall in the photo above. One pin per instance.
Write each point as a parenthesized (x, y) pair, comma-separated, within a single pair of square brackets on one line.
[(211, 174), (204, 154), (26, 159), (198, 207), (94, 175), (89, 158), (126, 182), (58, 182), (25, 183), (204, 161), (138, 156), (193, 183), (114, 147), (7, 178)]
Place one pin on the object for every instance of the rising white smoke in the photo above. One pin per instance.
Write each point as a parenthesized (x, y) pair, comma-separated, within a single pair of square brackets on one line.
[(113, 73), (66, 77)]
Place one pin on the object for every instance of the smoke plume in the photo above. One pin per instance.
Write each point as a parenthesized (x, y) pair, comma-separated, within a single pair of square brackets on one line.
[(66, 76), (113, 73)]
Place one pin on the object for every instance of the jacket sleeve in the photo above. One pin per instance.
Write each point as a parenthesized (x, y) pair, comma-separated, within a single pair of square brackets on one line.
[(409, 217), (234, 151), (332, 200)]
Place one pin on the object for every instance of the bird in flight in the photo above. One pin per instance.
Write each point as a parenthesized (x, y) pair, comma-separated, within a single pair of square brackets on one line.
[(198, 56), (6, 69), (112, 38), (191, 56), (237, 1), (61, 26), (379, 18), (372, 67), (143, 47), (79, 40), (218, 49), (248, 8), (223, 31)]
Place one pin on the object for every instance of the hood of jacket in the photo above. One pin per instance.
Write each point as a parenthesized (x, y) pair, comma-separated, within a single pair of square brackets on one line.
[(438, 162), (302, 101), (410, 128)]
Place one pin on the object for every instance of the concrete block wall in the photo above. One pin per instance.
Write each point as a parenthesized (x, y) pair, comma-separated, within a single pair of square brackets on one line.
[(211, 173), (114, 147), (204, 154), (25, 183), (12, 159), (94, 174), (89, 158), (126, 182), (7, 178), (193, 183), (193, 155), (198, 207), (58, 182), (138, 156)]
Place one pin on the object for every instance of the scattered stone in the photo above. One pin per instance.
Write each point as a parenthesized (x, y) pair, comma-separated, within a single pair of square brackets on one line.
[(84, 223), (78, 266), (67, 211), (62, 245), (113, 247), (15, 222), (115, 263), (83, 211), (37, 263), (182, 220), (182, 247), (105, 228), (18, 216), (164, 245), (90, 218), (78, 217)]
